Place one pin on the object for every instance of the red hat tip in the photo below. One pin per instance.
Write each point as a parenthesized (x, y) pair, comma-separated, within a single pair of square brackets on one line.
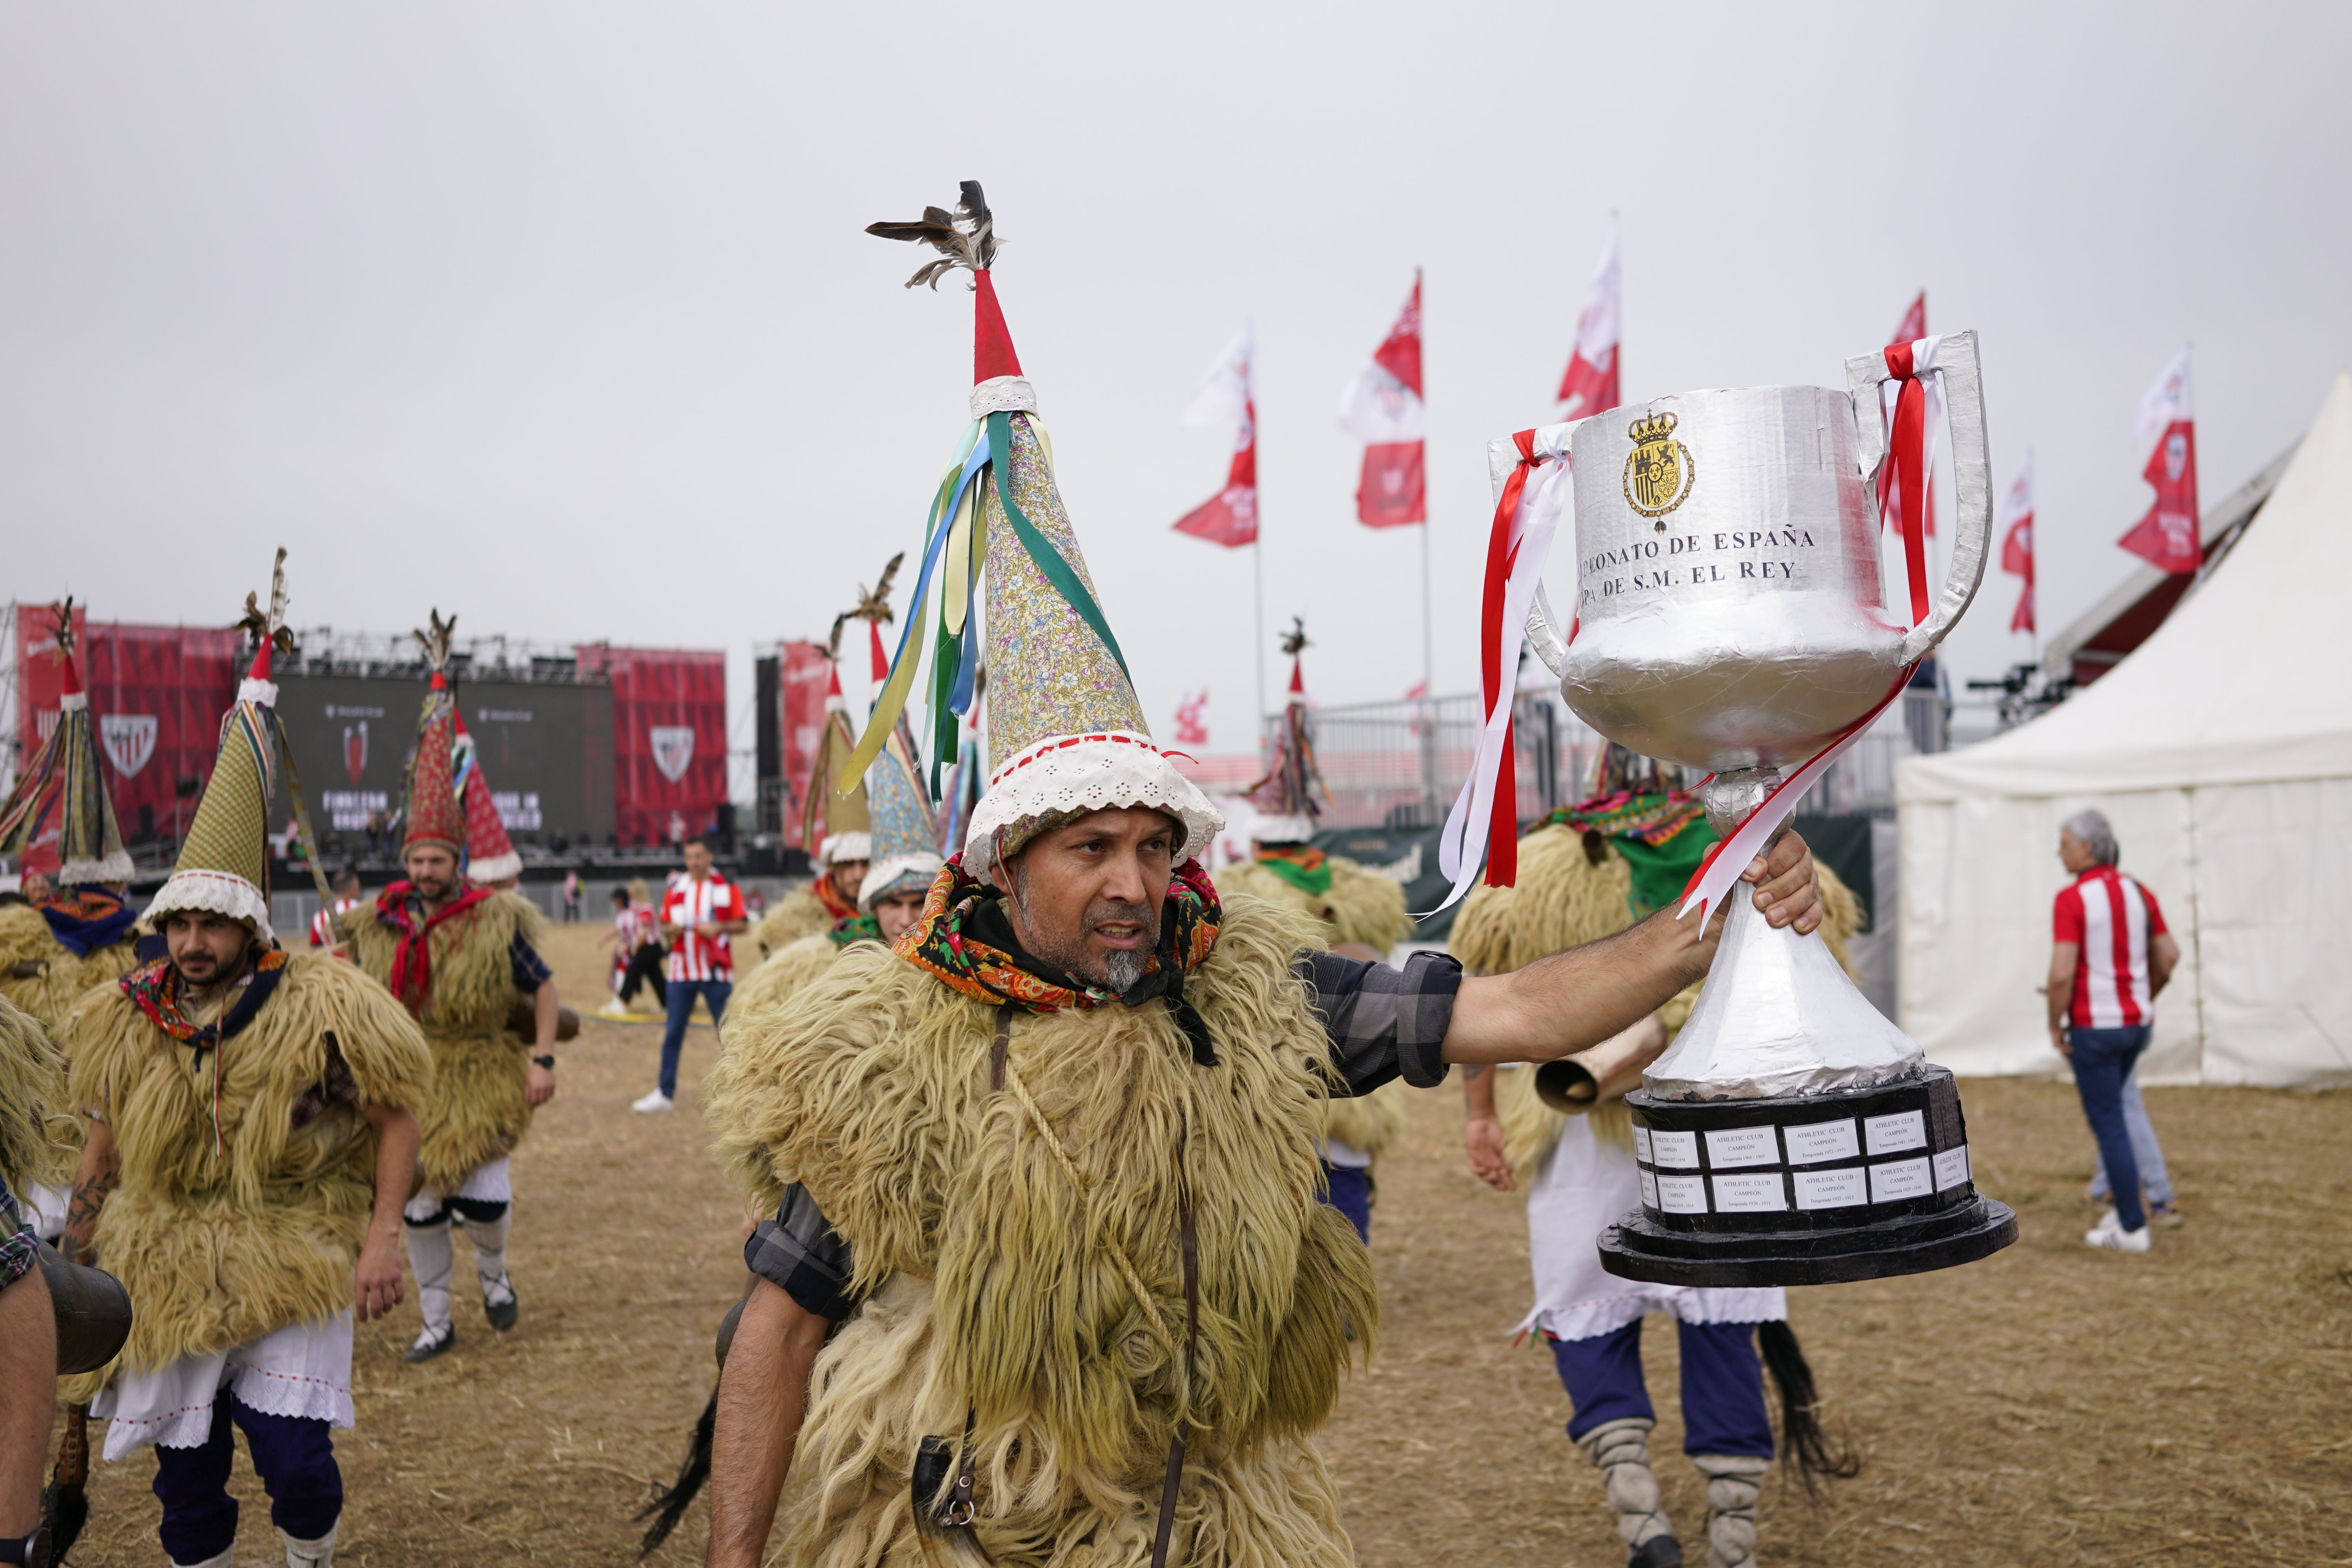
[(261, 661), (992, 343)]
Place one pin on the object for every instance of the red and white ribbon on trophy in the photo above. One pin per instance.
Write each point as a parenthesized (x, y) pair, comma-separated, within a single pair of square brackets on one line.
[(1485, 822), (1911, 408)]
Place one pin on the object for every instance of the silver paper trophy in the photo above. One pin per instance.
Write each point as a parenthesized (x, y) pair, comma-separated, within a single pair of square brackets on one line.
[(1729, 618)]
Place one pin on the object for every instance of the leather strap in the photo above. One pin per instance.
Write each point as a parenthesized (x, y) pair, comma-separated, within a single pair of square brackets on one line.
[(1170, 1487)]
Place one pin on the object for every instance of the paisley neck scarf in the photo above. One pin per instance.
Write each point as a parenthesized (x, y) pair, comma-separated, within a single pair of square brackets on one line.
[(965, 938)]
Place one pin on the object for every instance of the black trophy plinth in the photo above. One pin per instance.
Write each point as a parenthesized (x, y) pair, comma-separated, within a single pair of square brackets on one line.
[(1810, 1189)]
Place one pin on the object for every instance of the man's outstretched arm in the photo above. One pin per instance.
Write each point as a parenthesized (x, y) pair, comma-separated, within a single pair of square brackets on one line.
[(1574, 1000), (762, 1396)]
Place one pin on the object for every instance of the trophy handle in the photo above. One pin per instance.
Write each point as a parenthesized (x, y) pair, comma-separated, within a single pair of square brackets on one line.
[(1542, 638), (1956, 361)]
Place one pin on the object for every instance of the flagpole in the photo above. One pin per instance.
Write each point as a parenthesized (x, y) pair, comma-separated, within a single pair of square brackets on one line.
[(1428, 684), (1257, 597)]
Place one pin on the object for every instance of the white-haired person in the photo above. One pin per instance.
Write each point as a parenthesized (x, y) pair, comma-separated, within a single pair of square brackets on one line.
[(2110, 956)]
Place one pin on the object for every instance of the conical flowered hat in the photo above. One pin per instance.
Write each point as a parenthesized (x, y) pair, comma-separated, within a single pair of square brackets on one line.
[(223, 865), (905, 855), (65, 783), (845, 816), (1290, 793), (433, 814), (1066, 735), (491, 855)]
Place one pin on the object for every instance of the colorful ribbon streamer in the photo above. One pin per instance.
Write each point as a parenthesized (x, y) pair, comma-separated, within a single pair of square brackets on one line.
[(1484, 822)]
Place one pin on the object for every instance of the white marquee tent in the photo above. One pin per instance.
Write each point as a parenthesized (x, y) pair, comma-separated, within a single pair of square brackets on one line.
[(2221, 751)]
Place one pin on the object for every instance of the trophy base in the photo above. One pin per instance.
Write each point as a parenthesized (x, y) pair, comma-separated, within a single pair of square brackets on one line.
[(1812, 1189)]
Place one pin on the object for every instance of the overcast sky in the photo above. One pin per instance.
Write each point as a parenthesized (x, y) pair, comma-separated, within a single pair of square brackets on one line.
[(560, 316)]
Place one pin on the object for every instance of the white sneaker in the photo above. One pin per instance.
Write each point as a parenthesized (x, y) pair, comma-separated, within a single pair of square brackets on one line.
[(612, 1009), (2110, 1236), (656, 1101)]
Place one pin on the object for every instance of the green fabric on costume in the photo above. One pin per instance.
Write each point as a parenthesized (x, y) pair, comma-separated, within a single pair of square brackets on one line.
[(1308, 871)]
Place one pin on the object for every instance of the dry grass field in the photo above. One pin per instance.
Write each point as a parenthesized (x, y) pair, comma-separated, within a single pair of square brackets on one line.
[(2050, 1405)]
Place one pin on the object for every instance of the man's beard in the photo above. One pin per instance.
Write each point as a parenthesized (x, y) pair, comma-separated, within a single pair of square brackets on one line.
[(1116, 970)]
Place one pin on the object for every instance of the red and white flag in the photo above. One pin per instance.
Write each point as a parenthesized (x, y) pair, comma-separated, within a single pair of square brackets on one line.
[(1192, 719), (1591, 384), (1382, 407), (1913, 327), (2014, 522), (2168, 537), (1227, 395)]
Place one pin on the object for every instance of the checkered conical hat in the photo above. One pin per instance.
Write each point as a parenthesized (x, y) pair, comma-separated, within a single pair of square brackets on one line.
[(66, 781), (223, 865), (433, 812), (904, 856), (1066, 735)]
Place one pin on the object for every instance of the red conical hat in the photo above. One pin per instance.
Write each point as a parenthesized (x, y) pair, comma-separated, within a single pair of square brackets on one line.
[(433, 812), (491, 855)]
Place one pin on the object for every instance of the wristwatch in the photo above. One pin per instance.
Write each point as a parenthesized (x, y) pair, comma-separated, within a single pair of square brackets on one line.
[(546, 1061)]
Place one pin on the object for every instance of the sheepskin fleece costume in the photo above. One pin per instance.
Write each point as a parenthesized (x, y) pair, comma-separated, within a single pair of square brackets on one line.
[(1368, 1121), (797, 915), (787, 969), (477, 1112), (50, 997), (1361, 906), (217, 1249), (39, 1137), (1562, 901), (992, 1294)]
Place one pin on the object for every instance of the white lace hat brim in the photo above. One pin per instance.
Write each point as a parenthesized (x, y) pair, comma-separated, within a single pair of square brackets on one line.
[(843, 847), (1070, 775), (496, 867), (216, 893), (917, 871), (115, 867)]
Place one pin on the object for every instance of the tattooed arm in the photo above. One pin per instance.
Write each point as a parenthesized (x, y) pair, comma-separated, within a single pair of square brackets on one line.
[(102, 1168)]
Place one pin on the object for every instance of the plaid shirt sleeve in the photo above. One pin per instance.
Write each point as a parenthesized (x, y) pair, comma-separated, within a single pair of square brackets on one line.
[(530, 971), (1384, 1023), (19, 1248), (802, 1255)]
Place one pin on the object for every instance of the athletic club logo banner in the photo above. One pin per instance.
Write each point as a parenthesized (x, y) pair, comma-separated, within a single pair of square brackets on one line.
[(128, 740), (673, 750)]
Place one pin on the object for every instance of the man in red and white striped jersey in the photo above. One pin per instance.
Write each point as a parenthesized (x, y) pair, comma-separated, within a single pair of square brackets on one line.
[(346, 889), (702, 913), (2110, 957)]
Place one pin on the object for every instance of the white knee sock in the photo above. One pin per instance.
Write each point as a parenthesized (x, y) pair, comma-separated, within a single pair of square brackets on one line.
[(431, 1256), (489, 1239), (1732, 1482), (1620, 1449), (319, 1554)]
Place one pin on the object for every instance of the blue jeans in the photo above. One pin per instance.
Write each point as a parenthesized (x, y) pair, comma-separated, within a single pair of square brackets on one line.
[(680, 1002), (294, 1456), (2103, 1064), (2154, 1179), (1723, 1385), (1349, 1189)]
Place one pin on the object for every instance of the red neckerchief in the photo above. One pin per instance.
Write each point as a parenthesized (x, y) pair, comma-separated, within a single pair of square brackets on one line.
[(411, 960), (837, 906)]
